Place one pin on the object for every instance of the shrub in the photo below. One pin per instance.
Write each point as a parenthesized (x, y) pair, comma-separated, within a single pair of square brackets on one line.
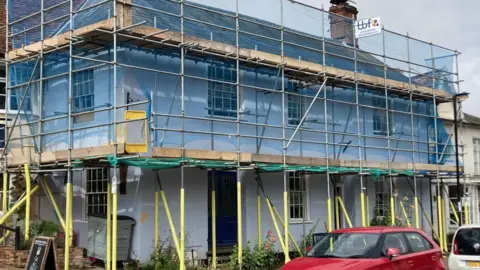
[(263, 256)]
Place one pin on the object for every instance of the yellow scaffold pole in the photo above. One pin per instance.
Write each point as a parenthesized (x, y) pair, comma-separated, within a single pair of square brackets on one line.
[(329, 205), (280, 238), (454, 211), (182, 228), (27, 209), (259, 218), (18, 205), (415, 201), (169, 216), (71, 217), (345, 212), (440, 222), (5, 193), (392, 203), (362, 202), (405, 214), (285, 225), (465, 208), (214, 227), (109, 227), (289, 234), (67, 231), (337, 213), (444, 217), (239, 221), (54, 203), (170, 222), (155, 244)]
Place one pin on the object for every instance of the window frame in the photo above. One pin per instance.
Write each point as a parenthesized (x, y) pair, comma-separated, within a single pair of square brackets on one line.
[(306, 197), (476, 155), (106, 180), (385, 190), (379, 115), (405, 240), (424, 240), (213, 82), (291, 87), (90, 87)]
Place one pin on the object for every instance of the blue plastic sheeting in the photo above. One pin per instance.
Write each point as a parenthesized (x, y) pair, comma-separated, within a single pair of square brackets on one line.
[(25, 18)]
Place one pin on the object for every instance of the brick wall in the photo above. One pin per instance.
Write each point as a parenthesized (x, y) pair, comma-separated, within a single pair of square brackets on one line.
[(18, 258), (341, 28)]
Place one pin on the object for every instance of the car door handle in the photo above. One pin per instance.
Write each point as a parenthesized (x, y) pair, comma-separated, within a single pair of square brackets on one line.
[(410, 262), (434, 258)]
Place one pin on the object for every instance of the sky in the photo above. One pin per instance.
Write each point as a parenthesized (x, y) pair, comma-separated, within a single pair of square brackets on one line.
[(448, 23)]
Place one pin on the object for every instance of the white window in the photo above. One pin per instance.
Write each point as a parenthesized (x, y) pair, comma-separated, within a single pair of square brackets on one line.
[(380, 116), (83, 92), (382, 196), (298, 192), (222, 92), (295, 104), (96, 190), (476, 156)]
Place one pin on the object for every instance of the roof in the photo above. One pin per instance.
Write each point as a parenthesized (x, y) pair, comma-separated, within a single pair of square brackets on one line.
[(376, 229), (260, 34), (471, 119), (220, 26)]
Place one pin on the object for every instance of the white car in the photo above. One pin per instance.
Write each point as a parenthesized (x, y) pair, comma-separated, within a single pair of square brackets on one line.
[(465, 253)]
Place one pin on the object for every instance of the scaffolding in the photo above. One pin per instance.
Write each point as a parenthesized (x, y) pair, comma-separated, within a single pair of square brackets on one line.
[(301, 69)]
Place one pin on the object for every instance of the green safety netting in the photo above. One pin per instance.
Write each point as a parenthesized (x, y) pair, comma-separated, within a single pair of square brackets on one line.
[(161, 164), (374, 173)]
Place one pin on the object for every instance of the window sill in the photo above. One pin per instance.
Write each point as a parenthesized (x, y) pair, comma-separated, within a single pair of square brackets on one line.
[(296, 222)]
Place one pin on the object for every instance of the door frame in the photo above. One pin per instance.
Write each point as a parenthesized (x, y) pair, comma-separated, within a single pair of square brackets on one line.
[(212, 178)]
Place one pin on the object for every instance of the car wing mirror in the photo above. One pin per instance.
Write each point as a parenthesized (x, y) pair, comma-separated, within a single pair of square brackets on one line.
[(392, 253)]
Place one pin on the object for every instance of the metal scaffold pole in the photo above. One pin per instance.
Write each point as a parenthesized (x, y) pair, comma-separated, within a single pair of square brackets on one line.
[(412, 137), (68, 211), (362, 180), (237, 136), (114, 181), (182, 168), (284, 146)]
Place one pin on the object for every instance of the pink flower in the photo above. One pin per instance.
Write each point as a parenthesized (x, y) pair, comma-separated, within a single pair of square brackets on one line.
[(267, 246), (274, 238)]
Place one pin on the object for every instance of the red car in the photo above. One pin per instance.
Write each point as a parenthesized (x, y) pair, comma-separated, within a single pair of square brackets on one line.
[(372, 248)]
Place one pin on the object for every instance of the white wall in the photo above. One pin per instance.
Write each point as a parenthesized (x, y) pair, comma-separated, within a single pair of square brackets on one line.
[(139, 204)]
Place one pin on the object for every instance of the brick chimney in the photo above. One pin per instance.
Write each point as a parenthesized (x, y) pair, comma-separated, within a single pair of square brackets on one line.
[(340, 28)]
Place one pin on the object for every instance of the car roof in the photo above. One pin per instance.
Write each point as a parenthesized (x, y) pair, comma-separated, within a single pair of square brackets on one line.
[(377, 229), (469, 226)]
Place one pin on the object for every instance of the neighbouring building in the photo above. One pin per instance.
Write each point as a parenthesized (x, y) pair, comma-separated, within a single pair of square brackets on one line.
[(209, 95)]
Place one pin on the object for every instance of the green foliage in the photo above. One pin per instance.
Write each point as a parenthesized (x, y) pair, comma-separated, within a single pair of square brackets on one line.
[(164, 257), (16, 191), (44, 228), (307, 240), (385, 220), (263, 256)]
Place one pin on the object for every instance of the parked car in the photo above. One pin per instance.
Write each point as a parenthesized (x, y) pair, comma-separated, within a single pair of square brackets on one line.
[(372, 248), (465, 252)]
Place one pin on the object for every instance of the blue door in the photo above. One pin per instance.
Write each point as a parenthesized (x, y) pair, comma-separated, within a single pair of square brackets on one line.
[(226, 207)]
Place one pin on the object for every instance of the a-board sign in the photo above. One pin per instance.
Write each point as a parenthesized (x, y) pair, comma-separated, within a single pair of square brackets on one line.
[(42, 255)]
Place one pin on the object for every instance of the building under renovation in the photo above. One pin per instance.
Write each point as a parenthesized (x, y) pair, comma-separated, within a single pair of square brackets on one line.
[(282, 120)]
